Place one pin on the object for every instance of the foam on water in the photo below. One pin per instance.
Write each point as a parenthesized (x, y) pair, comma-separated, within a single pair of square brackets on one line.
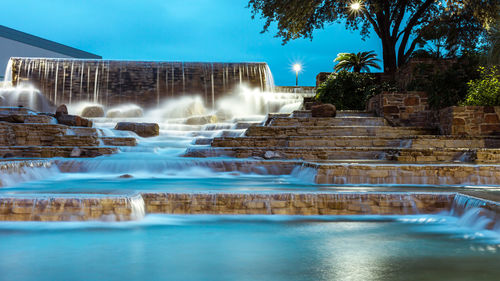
[(16, 172)]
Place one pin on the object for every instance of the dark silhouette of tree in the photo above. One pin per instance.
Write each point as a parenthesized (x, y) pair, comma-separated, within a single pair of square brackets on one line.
[(400, 24), (356, 62)]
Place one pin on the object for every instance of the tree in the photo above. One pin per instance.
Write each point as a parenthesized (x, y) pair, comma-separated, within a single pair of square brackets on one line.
[(494, 43), (358, 62), (398, 23)]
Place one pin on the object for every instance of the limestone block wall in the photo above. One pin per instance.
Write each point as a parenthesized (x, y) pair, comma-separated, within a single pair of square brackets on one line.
[(112, 208), (403, 108), (143, 83), (297, 204), (470, 120)]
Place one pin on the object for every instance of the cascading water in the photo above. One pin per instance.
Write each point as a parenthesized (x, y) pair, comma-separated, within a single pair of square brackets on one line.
[(146, 84), (476, 213), (15, 172)]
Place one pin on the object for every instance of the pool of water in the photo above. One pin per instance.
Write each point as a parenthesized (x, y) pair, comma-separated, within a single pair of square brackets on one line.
[(250, 248)]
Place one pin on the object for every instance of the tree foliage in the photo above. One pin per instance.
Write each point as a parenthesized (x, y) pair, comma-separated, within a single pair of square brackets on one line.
[(448, 86), (356, 62), (400, 24), (485, 91)]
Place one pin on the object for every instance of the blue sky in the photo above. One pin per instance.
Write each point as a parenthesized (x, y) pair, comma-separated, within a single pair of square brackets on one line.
[(180, 30)]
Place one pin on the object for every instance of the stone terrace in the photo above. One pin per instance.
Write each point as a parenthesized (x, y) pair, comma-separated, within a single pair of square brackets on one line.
[(346, 148), (24, 133)]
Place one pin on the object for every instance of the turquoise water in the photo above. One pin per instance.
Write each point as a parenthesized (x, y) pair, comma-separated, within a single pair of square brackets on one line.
[(162, 247), (249, 248)]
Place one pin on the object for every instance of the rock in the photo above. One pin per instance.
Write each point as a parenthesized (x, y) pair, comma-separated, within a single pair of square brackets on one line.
[(272, 155), (47, 114), (131, 111), (12, 118), (76, 152), (125, 176), (324, 110), (201, 120), (223, 115), (142, 129), (93, 111), (74, 121), (61, 110)]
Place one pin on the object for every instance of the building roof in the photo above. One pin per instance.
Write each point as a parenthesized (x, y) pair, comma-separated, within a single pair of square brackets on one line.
[(36, 41)]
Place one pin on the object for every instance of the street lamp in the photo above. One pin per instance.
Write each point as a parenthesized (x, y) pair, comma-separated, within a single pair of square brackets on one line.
[(297, 68)]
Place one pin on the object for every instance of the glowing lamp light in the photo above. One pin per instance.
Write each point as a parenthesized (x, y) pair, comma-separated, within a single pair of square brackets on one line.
[(297, 68), (355, 6)]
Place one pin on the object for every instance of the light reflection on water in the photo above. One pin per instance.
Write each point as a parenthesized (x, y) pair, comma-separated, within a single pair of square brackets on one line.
[(247, 248)]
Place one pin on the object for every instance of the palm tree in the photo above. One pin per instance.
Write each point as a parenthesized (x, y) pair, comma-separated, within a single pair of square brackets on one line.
[(358, 62)]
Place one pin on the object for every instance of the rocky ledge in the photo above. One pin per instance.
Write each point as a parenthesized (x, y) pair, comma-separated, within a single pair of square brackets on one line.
[(26, 133)]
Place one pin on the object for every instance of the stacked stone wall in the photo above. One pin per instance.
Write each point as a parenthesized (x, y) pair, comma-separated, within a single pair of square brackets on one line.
[(470, 120)]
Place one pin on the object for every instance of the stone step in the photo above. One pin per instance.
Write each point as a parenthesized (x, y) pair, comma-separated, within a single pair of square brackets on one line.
[(424, 141), (53, 151), (338, 121), (384, 131), (119, 141), (406, 155), (70, 207), (340, 113), (400, 174)]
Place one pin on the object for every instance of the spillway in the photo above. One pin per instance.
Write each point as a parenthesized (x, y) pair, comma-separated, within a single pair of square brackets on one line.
[(146, 84)]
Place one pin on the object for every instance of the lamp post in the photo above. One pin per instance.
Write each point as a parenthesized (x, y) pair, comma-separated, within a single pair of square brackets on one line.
[(297, 67)]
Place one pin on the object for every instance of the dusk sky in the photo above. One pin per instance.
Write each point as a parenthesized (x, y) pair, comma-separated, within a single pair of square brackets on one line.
[(180, 30)]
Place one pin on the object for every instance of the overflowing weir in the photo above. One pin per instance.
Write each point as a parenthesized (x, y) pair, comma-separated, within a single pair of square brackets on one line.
[(146, 84)]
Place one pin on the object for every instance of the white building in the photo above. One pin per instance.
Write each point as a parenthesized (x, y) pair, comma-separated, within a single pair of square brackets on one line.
[(14, 43)]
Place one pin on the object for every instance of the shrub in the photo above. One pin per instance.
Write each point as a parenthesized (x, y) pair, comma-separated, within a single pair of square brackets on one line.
[(446, 87), (350, 91), (484, 91)]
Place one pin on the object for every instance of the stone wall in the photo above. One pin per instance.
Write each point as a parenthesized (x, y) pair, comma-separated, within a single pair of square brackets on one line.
[(81, 208), (470, 120), (143, 83), (403, 108), (297, 204)]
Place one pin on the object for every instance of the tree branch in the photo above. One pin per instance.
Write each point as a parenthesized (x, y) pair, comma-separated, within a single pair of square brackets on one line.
[(411, 24)]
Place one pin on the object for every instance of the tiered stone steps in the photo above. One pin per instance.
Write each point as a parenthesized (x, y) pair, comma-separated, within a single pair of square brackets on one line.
[(24, 133), (353, 135)]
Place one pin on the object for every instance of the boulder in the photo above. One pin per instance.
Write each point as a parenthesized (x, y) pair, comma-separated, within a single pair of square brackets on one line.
[(61, 110), (323, 110), (125, 112), (224, 114), (272, 155), (74, 121), (141, 129), (201, 120), (93, 111), (125, 176)]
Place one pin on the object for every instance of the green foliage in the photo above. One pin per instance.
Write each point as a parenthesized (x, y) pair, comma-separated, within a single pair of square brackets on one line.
[(356, 62), (484, 91), (448, 86), (350, 90)]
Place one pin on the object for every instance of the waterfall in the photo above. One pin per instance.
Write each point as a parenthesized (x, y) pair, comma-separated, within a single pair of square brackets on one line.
[(137, 206), (476, 213), (14, 172), (143, 83)]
